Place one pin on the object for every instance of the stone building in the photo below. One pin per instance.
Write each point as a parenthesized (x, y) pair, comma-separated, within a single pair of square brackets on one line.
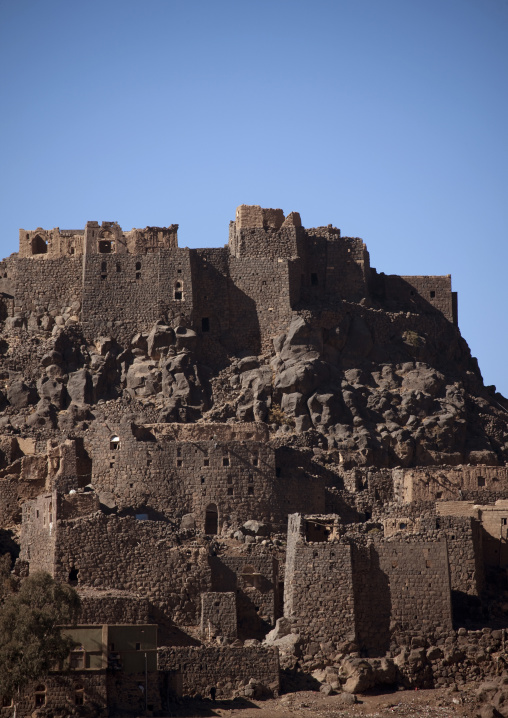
[(196, 528)]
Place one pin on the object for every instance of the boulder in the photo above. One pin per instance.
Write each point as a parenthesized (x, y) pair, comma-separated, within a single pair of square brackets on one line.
[(80, 387), (159, 340)]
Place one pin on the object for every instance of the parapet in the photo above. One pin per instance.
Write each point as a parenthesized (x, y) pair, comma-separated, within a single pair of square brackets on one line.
[(107, 238), (252, 216)]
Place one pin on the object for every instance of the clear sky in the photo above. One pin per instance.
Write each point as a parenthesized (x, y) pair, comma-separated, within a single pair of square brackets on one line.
[(386, 118)]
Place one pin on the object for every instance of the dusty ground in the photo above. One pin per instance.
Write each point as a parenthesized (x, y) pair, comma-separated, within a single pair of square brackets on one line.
[(404, 704)]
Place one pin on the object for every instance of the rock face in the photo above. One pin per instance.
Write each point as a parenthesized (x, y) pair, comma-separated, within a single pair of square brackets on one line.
[(163, 410)]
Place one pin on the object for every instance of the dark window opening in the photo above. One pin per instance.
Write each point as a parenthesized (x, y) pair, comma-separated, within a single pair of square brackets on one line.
[(73, 576), (250, 490), (138, 646), (40, 696), (72, 250), (39, 246), (179, 271), (481, 481), (79, 695), (178, 296), (316, 532), (206, 462), (402, 525), (104, 267), (504, 522), (211, 520), (138, 266), (439, 494), (432, 294), (314, 279), (225, 461), (105, 246), (255, 461), (179, 462), (230, 491), (205, 324)]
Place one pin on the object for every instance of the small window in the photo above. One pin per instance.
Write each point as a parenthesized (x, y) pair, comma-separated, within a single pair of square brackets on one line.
[(138, 266), (432, 294), (72, 250), (481, 481), (179, 451), (225, 461), (179, 462), (402, 525), (73, 576), (250, 490), (40, 696), (77, 660), (202, 479), (138, 646), (439, 494), (114, 443), (178, 296), (206, 462), (205, 324), (104, 267), (504, 522), (79, 694), (255, 461), (230, 491), (314, 279)]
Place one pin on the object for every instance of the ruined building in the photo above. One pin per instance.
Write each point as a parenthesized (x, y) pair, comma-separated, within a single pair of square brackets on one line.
[(250, 461)]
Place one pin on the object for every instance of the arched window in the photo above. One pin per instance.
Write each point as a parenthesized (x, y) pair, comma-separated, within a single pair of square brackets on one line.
[(211, 519), (39, 245), (179, 291), (40, 696)]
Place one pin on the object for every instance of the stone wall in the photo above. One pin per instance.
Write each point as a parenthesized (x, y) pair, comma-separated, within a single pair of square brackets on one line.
[(137, 556), (218, 615), (193, 671), (61, 693), (450, 483)]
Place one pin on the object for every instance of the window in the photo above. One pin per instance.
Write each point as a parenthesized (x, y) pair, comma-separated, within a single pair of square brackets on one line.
[(178, 291), (432, 294), (481, 481), (250, 490), (138, 646), (206, 462), (39, 245), (255, 460), (114, 443), (73, 576), (179, 462), (40, 696), (504, 522), (105, 246), (205, 324), (77, 660), (225, 461), (79, 694), (230, 491)]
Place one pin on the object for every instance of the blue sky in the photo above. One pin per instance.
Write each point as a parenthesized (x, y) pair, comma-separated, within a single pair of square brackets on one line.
[(386, 118)]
